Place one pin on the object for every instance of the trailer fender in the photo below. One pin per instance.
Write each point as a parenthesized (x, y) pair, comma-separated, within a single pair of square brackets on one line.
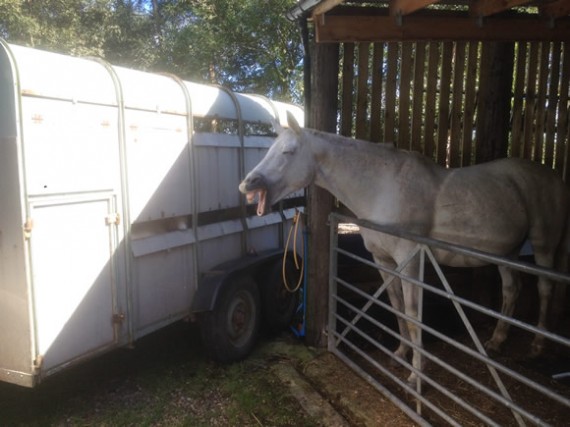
[(213, 281)]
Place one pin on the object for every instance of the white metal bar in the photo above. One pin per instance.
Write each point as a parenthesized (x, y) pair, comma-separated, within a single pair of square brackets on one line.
[(383, 287), (492, 394), (461, 347), (425, 247), (426, 378), (474, 338), (484, 310), (394, 230)]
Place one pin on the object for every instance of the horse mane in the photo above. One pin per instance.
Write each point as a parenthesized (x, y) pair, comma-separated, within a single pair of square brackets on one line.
[(348, 142), (373, 148)]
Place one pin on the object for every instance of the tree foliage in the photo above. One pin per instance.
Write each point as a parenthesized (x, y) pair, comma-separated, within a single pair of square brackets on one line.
[(248, 45)]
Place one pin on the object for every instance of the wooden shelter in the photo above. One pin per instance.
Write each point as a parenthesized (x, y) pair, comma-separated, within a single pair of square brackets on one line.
[(461, 81)]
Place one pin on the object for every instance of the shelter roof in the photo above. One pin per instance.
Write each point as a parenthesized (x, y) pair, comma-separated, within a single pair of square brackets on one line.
[(395, 20)]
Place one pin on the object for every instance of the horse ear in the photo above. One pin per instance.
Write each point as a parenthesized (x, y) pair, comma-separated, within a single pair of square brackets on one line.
[(292, 122)]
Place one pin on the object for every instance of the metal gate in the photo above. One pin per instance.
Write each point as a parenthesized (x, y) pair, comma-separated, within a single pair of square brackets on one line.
[(460, 383)]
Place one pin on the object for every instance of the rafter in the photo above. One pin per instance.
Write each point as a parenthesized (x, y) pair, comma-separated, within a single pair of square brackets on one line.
[(325, 6), (405, 7), (432, 27), (491, 7), (555, 9)]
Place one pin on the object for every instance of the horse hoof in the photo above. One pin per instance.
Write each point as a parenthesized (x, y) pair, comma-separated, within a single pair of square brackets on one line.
[(394, 363), (536, 351), (492, 347), (412, 382), (399, 357)]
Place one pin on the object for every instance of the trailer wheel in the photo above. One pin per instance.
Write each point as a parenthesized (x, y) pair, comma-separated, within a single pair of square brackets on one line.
[(230, 331), (278, 304)]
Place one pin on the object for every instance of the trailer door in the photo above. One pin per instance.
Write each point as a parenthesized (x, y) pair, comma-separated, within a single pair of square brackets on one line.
[(73, 186), (73, 277)]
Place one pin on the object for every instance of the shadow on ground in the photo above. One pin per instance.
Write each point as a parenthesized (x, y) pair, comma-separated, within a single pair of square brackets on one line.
[(167, 380)]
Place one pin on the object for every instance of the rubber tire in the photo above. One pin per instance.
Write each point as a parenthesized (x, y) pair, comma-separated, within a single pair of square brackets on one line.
[(230, 331), (278, 304)]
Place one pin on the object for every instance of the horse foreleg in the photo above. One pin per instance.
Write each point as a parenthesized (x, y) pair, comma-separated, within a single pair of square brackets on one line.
[(544, 294), (404, 298), (511, 287), (411, 308), (397, 301)]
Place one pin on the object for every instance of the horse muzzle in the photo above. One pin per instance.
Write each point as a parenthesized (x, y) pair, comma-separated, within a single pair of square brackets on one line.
[(255, 186)]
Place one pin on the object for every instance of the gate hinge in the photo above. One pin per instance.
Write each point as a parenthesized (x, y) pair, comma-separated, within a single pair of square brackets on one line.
[(113, 218), (118, 318), (28, 225)]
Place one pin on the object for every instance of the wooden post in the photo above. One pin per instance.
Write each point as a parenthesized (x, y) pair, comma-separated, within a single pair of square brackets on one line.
[(494, 104), (493, 125), (322, 116)]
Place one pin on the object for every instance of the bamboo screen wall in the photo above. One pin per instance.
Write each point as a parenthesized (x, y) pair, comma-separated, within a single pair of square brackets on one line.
[(423, 96)]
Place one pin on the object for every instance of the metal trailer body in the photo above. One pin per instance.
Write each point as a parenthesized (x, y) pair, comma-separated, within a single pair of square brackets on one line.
[(113, 207)]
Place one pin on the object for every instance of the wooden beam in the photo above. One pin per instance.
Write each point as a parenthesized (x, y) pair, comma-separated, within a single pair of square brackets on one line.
[(324, 6), (491, 7), (439, 27), (405, 7), (555, 9), (322, 116), (494, 105)]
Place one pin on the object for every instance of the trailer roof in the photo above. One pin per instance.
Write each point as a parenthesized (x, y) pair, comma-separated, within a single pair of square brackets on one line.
[(91, 80)]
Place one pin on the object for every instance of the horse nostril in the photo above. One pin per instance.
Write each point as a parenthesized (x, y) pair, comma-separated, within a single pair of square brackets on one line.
[(255, 181)]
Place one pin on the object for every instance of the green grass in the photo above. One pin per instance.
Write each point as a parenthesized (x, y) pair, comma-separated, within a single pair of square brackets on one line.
[(165, 381)]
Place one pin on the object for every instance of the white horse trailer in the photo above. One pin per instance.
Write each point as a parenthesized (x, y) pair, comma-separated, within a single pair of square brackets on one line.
[(120, 211)]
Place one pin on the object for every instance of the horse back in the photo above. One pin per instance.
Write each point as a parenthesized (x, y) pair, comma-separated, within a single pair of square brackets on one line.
[(495, 206), (547, 200)]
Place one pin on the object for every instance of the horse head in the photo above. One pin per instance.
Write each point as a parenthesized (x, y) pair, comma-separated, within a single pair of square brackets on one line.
[(286, 168)]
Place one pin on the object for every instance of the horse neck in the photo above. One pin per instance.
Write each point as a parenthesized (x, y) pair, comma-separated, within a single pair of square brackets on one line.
[(351, 170)]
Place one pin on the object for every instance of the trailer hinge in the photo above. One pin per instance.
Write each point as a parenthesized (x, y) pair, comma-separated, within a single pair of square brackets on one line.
[(113, 218), (38, 361), (28, 225), (118, 318)]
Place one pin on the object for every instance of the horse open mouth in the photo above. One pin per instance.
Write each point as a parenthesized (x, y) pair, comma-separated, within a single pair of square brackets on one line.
[(261, 195)]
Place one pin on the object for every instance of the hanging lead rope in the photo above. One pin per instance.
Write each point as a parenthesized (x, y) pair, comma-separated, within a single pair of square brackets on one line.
[(293, 230)]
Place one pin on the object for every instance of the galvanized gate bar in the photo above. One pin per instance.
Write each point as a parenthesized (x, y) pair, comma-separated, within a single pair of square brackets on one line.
[(395, 230), (406, 364), (402, 384), (462, 347), (437, 360), (506, 401), (424, 248), (487, 311), (385, 284), (472, 334)]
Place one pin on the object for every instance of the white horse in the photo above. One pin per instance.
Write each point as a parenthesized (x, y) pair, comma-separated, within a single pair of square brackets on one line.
[(493, 207)]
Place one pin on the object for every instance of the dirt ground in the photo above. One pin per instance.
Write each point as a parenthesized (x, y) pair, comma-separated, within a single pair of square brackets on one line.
[(350, 395), (166, 380)]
